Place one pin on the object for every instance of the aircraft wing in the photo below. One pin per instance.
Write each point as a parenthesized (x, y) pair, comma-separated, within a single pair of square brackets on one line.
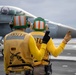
[(6, 15)]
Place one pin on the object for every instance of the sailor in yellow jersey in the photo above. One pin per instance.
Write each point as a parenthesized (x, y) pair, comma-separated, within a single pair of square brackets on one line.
[(20, 47), (38, 33)]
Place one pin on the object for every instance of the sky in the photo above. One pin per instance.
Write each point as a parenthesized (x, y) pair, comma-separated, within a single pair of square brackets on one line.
[(60, 11)]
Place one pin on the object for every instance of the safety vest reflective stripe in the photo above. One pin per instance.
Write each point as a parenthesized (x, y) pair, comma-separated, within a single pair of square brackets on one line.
[(19, 20), (14, 37), (38, 36), (39, 25)]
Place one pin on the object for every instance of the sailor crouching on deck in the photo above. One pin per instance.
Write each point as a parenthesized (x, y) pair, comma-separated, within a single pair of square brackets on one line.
[(19, 47)]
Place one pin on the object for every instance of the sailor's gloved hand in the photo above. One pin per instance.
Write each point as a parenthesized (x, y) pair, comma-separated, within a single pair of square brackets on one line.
[(67, 37), (46, 37)]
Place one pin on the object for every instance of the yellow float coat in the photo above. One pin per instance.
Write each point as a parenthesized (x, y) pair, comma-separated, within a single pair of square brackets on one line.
[(19, 47), (51, 48)]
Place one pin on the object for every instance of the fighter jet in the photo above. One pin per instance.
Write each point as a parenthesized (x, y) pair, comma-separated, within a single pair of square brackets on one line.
[(57, 30)]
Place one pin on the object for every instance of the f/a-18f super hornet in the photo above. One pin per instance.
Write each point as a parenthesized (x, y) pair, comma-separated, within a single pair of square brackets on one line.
[(57, 30)]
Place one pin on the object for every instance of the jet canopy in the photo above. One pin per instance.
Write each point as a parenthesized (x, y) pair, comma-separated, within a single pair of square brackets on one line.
[(7, 13), (11, 10)]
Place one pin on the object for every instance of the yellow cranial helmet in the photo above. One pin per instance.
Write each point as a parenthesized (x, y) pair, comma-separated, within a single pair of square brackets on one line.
[(39, 24), (19, 22)]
